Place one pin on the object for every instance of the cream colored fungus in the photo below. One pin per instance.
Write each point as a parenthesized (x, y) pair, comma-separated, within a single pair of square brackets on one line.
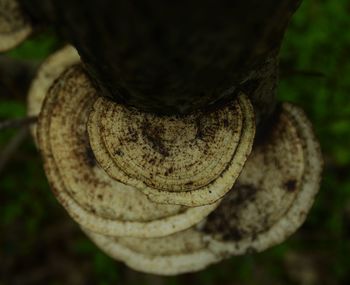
[(192, 160), (48, 72), (14, 26), (269, 202), (90, 196)]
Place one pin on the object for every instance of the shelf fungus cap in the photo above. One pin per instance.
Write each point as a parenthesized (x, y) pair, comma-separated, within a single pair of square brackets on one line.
[(190, 160), (275, 191), (92, 198), (48, 72), (269, 202), (179, 253), (14, 25)]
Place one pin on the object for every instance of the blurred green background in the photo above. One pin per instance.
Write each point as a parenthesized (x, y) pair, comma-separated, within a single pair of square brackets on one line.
[(39, 244)]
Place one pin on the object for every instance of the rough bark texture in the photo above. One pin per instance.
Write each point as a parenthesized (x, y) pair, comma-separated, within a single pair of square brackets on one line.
[(174, 57)]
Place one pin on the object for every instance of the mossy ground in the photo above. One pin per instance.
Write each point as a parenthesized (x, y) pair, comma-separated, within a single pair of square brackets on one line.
[(39, 244)]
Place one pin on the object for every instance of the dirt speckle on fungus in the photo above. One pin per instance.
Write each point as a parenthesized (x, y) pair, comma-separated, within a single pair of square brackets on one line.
[(224, 221), (290, 185), (119, 152), (131, 135), (152, 135), (90, 157)]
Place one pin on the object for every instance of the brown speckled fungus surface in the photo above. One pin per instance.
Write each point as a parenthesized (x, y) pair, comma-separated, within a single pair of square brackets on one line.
[(192, 160), (275, 191), (269, 202), (14, 26)]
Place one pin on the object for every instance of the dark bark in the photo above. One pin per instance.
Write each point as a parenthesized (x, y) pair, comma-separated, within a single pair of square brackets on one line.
[(173, 57)]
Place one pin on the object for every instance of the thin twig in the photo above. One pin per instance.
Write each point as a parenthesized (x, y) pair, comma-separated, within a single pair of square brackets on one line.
[(15, 123), (12, 146)]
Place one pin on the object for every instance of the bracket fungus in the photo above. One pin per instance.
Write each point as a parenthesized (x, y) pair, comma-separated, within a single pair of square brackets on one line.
[(14, 26), (191, 160), (48, 72), (171, 194), (268, 203), (90, 196)]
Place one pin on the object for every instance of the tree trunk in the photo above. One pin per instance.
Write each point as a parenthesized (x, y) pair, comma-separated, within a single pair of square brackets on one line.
[(175, 57)]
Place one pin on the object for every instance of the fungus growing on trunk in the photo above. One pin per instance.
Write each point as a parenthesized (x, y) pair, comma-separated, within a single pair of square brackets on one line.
[(190, 160), (90, 196), (14, 25), (269, 202), (103, 160)]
